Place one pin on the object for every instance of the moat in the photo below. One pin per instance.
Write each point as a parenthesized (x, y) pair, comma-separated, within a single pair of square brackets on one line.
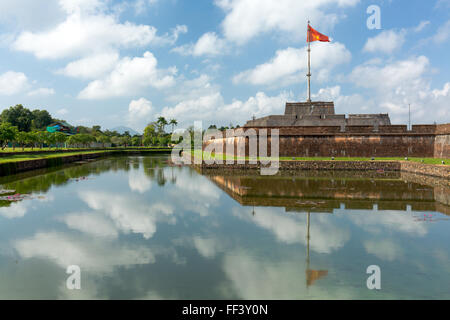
[(139, 228)]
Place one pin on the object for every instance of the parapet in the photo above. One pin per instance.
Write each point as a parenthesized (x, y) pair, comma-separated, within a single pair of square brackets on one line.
[(309, 108)]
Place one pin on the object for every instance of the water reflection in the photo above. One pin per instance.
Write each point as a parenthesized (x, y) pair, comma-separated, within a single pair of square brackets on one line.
[(141, 229)]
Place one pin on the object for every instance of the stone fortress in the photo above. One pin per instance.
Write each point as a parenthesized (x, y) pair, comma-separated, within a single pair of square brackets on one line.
[(318, 114), (312, 129)]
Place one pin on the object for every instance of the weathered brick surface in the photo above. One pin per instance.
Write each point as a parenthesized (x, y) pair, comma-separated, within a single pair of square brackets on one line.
[(351, 141)]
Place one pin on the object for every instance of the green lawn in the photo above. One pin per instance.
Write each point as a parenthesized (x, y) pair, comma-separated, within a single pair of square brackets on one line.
[(37, 150), (20, 157)]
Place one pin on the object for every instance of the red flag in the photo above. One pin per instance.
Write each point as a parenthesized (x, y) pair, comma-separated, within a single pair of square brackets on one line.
[(314, 35)]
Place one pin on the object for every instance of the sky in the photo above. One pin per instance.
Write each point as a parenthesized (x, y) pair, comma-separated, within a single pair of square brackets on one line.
[(125, 63)]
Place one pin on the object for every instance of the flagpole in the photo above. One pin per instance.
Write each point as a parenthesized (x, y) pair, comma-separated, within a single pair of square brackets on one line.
[(309, 65)]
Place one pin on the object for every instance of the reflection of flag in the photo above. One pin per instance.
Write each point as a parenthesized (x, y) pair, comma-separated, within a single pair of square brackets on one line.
[(314, 35), (313, 275)]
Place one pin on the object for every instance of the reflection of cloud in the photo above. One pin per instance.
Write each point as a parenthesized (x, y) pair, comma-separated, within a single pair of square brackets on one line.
[(138, 181), (66, 250), (325, 236), (128, 214), (197, 193), (260, 279), (207, 247), (15, 210), (91, 223), (393, 220), (384, 249)]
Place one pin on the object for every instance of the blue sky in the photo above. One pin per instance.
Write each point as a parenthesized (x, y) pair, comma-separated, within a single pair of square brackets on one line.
[(111, 63)]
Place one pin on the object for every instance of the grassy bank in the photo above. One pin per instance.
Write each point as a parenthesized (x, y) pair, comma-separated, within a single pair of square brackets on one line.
[(26, 156), (435, 161)]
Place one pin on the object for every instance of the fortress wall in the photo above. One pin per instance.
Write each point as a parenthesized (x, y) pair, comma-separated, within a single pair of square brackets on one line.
[(442, 141), (355, 141)]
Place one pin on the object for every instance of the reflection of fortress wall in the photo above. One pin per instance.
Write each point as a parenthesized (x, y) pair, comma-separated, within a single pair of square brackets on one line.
[(325, 195)]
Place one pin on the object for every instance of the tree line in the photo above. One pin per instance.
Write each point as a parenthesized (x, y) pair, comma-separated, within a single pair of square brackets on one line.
[(21, 127)]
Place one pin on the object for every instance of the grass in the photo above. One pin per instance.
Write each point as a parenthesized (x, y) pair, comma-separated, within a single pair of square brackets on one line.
[(46, 149), (211, 156), (20, 157), (36, 155)]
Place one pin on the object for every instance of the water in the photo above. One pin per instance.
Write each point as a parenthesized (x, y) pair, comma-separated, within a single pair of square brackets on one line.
[(140, 229)]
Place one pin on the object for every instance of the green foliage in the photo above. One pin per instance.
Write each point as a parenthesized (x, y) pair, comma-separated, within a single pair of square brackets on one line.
[(136, 141), (18, 116), (149, 135), (7, 134), (41, 119)]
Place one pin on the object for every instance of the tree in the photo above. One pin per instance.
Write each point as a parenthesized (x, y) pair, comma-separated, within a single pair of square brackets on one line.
[(173, 123), (32, 138), (161, 122), (103, 139), (41, 119), (22, 138), (18, 116), (7, 134), (59, 137), (136, 141), (149, 134), (41, 137)]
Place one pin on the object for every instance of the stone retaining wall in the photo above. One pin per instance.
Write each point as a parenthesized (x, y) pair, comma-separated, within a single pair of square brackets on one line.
[(441, 171)]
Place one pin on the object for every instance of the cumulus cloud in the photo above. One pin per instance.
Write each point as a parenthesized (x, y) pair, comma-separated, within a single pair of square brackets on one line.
[(212, 107), (130, 76), (386, 42), (139, 113), (288, 65), (12, 82), (91, 67), (245, 19), (208, 44), (88, 28), (394, 85)]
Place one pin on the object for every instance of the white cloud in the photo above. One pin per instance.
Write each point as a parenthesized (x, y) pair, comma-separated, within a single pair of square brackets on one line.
[(387, 41), (141, 6), (246, 19), (208, 44), (42, 92), (130, 76), (13, 83), (443, 33), (288, 65), (139, 113), (87, 29), (92, 66), (421, 26), (211, 107), (35, 14)]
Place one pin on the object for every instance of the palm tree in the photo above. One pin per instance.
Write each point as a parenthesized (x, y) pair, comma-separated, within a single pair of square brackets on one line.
[(173, 123), (162, 122)]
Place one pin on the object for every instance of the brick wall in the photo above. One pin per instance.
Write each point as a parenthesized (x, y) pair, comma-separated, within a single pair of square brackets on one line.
[(351, 141)]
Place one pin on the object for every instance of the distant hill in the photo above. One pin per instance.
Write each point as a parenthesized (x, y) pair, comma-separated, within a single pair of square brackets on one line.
[(122, 130)]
